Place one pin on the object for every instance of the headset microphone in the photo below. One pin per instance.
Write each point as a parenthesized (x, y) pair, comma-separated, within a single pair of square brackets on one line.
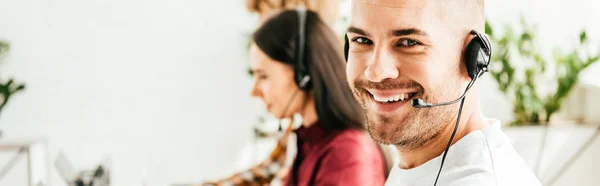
[(287, 106), (419, 103)]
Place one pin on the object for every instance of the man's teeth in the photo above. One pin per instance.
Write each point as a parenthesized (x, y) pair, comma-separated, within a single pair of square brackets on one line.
[(399, 97)]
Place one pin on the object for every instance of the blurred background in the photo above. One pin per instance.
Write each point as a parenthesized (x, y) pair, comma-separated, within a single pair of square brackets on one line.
[(158, 91)]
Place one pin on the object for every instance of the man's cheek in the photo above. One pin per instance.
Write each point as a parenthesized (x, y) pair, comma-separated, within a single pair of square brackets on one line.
[(423, 77), (351, 76), (354, 69)]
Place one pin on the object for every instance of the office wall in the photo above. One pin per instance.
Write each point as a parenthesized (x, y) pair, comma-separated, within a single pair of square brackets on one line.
[(160, 87)]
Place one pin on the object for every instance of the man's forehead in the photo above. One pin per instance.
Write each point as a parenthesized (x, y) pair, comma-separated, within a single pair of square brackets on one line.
[(384, 16), (394, 8)]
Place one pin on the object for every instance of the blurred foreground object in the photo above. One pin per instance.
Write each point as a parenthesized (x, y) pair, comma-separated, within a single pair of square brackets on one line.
[(274, 167), (523, 74), (35, 153), (327, 9), (100, 176)]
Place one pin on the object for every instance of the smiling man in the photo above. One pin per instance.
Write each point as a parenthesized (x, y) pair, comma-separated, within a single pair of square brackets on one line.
[(402, 50)]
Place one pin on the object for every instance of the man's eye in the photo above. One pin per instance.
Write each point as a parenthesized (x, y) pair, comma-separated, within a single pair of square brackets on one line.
[(408, 43), (362, 40)]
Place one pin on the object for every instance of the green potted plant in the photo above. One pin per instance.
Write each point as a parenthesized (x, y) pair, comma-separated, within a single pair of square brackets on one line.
[(521, 71), (515, 54)]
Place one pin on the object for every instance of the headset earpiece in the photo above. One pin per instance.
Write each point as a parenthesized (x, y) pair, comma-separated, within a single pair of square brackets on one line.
[(301, 74), (477, 55)]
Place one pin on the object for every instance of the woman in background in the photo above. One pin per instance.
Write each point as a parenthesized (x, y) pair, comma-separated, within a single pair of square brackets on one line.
[(298, 67)]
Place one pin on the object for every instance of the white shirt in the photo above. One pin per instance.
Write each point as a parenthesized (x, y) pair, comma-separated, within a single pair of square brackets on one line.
[(481, 158)]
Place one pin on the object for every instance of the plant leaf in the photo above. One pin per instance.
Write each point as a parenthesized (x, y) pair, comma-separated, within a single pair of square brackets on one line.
[(582, 37), (488, 29)]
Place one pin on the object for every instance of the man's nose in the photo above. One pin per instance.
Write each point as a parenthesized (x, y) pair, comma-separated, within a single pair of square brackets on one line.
[(383, 65)]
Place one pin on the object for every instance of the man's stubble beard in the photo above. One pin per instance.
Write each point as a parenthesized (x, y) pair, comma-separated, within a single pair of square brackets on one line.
[(418, 127), (411, 132)]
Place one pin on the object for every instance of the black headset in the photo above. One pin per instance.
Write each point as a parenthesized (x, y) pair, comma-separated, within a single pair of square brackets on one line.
[(301, 74), (477, 54)]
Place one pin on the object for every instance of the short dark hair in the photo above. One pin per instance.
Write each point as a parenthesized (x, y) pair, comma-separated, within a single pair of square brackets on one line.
[(334, 102)]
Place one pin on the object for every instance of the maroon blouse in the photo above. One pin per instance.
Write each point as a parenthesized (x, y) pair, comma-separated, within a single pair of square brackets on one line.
[(342, 157)]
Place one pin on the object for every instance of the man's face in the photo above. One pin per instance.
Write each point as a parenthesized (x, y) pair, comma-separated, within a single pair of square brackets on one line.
[(401, 50)]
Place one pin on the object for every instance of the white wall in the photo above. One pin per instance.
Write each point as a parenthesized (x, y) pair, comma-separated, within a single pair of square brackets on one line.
[(159, 86)]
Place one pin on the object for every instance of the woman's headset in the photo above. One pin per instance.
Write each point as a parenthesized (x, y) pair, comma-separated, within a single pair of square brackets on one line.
[(301, 74)]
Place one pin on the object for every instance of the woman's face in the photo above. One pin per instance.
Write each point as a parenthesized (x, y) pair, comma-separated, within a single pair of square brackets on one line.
[(274, 84)]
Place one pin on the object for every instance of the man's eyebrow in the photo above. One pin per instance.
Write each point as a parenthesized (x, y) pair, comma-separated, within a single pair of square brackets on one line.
[(395, 32), (358, 31), (407, 31)]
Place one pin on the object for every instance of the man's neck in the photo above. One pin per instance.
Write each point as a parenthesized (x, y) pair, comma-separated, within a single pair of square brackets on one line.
[(469, 122)]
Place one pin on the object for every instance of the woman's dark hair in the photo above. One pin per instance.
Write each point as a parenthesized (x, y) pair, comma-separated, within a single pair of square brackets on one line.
[(335, 105)]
